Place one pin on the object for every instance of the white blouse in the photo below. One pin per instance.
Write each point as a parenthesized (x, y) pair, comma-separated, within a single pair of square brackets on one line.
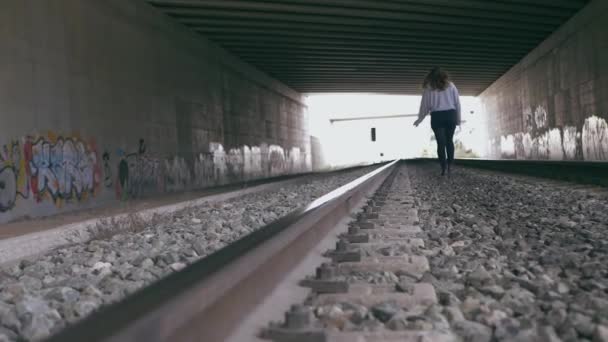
[(439, 100)]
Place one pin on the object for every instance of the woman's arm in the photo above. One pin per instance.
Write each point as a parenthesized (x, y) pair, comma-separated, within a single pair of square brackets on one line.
[(424, 107)]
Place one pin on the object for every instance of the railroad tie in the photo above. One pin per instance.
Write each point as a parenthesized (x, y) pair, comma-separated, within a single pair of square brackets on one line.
[(371, 291)]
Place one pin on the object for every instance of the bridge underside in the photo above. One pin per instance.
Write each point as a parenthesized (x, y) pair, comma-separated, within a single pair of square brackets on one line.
[(375, 46)]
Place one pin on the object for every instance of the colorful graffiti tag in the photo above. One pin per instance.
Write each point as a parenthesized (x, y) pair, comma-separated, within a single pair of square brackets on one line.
[(61, 168), (13, 179), (66, 170)]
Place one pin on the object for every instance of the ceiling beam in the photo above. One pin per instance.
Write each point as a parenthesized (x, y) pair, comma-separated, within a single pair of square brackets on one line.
[(567, 4), (382, 76), (378, 43), (379, 69), (405, 55), (400, 50), (416, 21), (386, 77), (374, 9), (227, 34), (283, 26), (341, 64)]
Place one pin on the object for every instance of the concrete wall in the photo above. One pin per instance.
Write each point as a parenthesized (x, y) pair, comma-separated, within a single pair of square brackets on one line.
[(554, 103), (105, 100)]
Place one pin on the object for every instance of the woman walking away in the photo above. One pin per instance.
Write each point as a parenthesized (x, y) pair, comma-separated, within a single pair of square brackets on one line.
[(441, 99)]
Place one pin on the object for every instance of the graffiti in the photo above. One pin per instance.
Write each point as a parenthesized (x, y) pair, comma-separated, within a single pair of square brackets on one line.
[(245, 163), (63, 168), (13, 180), (219, 162), (540, 117), (589, 142), (252, 162), (527, 142), (66, 170), (177, 174), (507, 146), (554, 144), (528, 120), (204, 170), (540, 147), (571, 136), (595, 138), (235, 164), (535, 120), (276, 160), (107, 170), (138, 172), (8, 189), (297, 160), (518, 145)]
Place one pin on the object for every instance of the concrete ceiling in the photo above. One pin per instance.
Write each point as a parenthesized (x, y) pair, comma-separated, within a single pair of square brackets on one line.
[(382, 46)]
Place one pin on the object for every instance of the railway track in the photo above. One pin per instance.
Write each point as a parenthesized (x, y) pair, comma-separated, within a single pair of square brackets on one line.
[(208, 300), (374, 288), (376, 282)]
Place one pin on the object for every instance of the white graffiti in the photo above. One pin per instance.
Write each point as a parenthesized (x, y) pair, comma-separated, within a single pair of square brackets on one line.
[(236, 164), (276, 160), (203, 170), (219, 162), (138, 172), (507, 146), (557, 144), (569, 141), (253, 162), (528, 119), (540, 117), (527, 143), (540, 147), (595, 139), (554, 139), (178, 176)]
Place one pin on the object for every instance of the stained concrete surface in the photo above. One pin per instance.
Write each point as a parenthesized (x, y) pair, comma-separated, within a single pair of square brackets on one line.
[(554, 103), (111, 100)]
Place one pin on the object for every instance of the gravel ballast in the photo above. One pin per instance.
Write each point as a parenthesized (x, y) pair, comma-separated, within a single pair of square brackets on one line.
[(522, 258), (41, 296), (510, 258)]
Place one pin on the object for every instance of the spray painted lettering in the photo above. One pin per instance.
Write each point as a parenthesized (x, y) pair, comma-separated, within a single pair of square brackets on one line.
[(62, 168), (13, 180), (589, 142), (137, 171)]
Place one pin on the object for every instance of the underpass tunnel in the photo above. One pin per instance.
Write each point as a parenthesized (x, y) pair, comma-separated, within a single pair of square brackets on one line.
[(112, 101), (239, 170)]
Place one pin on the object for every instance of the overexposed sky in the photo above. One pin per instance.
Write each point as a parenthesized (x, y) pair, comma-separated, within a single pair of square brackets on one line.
[(349, 142)]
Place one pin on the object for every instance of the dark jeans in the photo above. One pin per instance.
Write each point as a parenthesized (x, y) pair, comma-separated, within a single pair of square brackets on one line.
[(443, 124)]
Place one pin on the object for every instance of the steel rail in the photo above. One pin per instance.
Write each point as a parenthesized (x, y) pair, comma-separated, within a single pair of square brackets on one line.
[(209, 298), (583, 172)]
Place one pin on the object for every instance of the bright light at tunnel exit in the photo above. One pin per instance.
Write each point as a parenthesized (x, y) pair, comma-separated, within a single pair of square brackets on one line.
[(349, 142)]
